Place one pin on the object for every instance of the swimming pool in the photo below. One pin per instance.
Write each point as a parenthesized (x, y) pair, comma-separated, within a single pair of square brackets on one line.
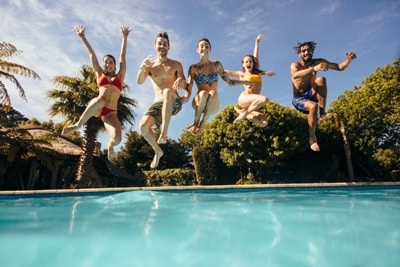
[(356, 226)]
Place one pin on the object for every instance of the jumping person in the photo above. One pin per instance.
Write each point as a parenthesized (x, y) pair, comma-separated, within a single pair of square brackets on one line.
[(310, 91), (205, 74), (250, 100), (167, 78), (110, 85)]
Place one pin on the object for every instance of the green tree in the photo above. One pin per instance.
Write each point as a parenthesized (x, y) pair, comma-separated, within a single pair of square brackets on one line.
[(9, 117), (18, 145), (371, 113), (70, 100), (137, 154), (8, 70), (254, 148), (134, 154)]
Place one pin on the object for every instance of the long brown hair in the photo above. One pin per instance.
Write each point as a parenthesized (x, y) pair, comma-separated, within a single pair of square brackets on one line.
[(256, 64)]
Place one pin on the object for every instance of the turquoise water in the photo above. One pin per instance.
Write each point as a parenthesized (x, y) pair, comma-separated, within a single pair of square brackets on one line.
[(340, 227)]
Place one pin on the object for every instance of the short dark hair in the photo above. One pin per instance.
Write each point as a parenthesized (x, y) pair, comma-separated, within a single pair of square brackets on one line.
[(162, 35), (298, 47), (204, 39)]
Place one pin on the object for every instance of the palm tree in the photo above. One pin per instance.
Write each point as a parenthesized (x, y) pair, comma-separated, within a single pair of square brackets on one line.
[(70, 101), (7, 71)]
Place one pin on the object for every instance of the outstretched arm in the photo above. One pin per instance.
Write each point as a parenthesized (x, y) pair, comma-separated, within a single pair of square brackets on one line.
[(350, 56), (80, 30), (122, 57), (235, 74), (225, 76), (325, 65), (257, 45)]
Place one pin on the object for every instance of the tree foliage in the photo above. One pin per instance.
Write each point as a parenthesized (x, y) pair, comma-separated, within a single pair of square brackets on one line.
[(372, 116), (8, 70), (9, 117), (70, 100), (248, 146), (138, 154)]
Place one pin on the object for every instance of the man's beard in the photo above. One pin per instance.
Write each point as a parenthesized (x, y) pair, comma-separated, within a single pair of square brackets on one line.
[(307, 59)]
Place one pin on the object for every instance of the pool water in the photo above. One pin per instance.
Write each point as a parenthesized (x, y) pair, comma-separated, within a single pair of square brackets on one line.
[(349, 226)]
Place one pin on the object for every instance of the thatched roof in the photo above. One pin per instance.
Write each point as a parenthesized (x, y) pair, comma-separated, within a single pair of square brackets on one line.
[(58, 144), (64, 147)]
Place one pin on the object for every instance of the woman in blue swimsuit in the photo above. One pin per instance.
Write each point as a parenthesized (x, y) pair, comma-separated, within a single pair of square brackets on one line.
[(205, 74)]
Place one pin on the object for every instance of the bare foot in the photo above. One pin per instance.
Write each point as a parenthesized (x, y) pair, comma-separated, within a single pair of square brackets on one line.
[(241, 116), (69, 129), (325, 116), (314, 145), (162, 140), (193, 129), (199, 131), (111, 153), (260, 121), (238, 110), (156, 159)]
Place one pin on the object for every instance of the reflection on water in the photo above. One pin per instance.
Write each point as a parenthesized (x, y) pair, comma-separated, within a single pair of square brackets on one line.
[(281, 227)]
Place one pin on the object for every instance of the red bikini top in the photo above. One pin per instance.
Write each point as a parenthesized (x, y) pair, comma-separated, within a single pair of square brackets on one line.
[(104, 80)]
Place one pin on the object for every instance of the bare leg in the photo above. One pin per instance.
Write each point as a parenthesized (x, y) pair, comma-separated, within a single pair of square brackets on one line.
[(258, 118), (168, 103), (145, 128), (94, 108), (322, 92), (212, 107), (113, 127), (249, 103), (312, 124), (199, 105)]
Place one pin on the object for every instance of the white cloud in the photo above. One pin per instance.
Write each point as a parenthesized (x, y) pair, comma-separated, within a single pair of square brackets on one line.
[(330, 8)]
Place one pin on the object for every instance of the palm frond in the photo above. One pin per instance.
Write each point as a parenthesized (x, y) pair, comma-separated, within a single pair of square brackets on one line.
[(14, 68), (4, 97), (16, 82), (7, 50)]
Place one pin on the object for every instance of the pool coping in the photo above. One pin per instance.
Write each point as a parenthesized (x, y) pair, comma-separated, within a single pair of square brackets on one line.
[(197, 187)]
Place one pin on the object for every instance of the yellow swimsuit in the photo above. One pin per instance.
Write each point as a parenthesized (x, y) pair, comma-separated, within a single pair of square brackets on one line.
[(254, 78)]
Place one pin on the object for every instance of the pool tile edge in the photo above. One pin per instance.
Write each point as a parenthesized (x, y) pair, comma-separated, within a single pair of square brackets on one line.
[(200, 187)]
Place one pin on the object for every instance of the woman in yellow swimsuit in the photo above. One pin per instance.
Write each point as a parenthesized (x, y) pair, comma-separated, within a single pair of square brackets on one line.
[(110, 85), (250, 100)]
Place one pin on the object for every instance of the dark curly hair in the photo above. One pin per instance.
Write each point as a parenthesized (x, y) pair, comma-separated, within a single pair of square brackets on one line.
[(298, 47)]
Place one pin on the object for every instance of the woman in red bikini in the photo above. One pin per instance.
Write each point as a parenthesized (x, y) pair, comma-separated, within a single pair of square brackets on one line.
[(110, 85)]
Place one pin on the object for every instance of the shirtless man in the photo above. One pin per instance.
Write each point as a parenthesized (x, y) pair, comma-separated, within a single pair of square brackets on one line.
[(167, 78), (310, 91)]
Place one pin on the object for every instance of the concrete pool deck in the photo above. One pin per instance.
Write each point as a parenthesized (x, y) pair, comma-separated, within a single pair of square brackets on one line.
[(198, 187)]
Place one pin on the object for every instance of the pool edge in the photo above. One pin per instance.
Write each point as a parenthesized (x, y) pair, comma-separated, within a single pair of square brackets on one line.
[(194, 187)]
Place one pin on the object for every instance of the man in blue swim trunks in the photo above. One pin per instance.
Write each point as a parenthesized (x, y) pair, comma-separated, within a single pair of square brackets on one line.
[(167, 78), (310, 91)]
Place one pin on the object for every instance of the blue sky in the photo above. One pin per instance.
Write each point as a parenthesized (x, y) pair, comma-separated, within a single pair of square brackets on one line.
[(43, 30)]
